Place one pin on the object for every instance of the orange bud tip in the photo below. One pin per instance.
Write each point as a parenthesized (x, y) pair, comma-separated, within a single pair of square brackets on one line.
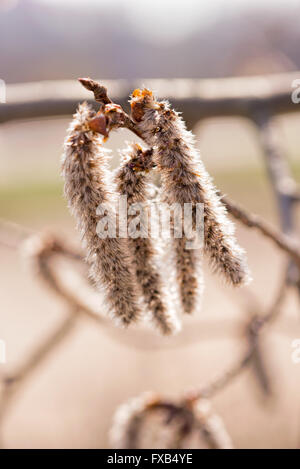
[(137, 93)]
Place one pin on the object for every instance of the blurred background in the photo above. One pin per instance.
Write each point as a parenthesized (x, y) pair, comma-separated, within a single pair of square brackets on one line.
[(70, 401)]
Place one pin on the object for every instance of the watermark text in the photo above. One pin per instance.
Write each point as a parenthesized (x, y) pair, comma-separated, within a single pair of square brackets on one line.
[(296, 351), (2, 91), (2, 352), (153, 220)]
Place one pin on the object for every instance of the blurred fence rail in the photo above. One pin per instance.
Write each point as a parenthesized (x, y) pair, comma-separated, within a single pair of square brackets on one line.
[(197, 99)]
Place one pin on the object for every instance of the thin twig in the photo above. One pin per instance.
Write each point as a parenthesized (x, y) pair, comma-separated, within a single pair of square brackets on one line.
[(12, 383), (284, 242), (100, 94), (257, 324)]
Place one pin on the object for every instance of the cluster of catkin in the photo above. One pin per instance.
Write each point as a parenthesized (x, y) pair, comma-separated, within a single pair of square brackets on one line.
[(148, 421), (127, 269)]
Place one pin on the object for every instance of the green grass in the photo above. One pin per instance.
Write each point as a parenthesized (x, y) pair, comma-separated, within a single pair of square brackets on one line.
[(32, 199), (41, 200)]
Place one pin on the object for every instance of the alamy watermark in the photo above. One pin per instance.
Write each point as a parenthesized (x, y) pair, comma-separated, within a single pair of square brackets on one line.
[(296, 92), (2, 352), (2, 91), (153, 220), (296, 351)]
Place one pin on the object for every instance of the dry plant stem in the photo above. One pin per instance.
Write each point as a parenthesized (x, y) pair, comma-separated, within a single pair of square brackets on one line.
[(100, 95), (87, 189), (48, 275), (260, 368), (131, 180), (259, 364)]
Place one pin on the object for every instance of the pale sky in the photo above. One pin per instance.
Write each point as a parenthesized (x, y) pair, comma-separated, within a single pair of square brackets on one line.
[(170, 20)]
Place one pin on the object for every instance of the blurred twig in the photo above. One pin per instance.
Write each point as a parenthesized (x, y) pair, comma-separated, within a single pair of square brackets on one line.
[(285, 189), (283, 242), (254, 329), (12, 383)]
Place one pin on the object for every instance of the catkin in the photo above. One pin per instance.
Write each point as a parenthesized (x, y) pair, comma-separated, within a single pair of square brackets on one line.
[(147, 421), (86, 187), (185, 180), (127, 420), (187, 261), (132, 181), (211, 426)]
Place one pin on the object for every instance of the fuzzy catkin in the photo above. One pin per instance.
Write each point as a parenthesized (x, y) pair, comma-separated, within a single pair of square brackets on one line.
[(127, 420), (86, 187), (132, 181), (147, 421), (185, 180), (187, 261), (212, 426)]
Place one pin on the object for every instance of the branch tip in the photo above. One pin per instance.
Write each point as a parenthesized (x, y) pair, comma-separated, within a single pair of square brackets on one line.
[(100, 91)]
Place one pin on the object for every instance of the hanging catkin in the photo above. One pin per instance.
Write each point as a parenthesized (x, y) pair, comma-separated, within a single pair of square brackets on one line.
[(185, 180), (132, 182), (86, 187), (187, 261)]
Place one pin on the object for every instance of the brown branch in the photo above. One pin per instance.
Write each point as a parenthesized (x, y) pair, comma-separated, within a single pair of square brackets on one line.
[(254, 330), (259, 360), (283, 242), (42, 248), (260, 368), (100, 92), (118, 116)]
